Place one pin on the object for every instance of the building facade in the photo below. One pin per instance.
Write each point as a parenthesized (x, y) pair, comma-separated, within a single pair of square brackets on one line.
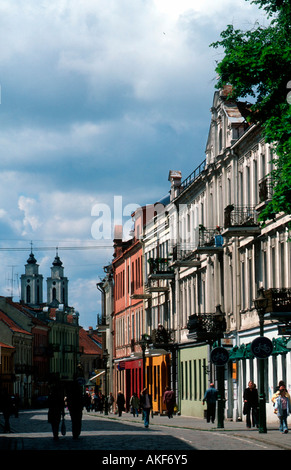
[(218, 229), (44, 336), (206, 253)]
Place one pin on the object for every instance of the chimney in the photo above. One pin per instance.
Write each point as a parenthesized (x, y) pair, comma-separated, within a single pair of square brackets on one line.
[(175, 179), (117, 240)]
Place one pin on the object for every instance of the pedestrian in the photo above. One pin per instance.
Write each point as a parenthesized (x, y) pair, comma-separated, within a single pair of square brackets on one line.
[(251, 403), (134, 404), (210, 397), (96, 400), (282, 405), (75, 406), (277, 391), (56, 408), (110, 402), (101, 402), (170, 401), (6, 406), (146, 405), (120, 401), (87, 401)]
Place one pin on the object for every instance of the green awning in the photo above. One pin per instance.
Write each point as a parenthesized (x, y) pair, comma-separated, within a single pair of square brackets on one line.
[(280, 345), (244, 350), (241, 352)]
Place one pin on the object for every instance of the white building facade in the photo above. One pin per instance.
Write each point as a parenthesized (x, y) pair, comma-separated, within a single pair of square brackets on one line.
[(222, 255)]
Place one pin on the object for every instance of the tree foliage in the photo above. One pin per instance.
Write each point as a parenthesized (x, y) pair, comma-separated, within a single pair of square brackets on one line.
[(257, 63)]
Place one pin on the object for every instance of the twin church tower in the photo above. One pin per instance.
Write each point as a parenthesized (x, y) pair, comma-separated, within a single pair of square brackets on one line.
[(32, 284)]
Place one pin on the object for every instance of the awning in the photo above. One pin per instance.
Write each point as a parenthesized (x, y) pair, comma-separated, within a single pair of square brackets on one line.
[(241, 352), (280, 346), (244, 350), (98, 375)]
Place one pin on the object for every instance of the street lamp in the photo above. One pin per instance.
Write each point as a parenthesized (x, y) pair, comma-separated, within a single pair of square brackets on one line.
[(261, 304), (144, 342), (105, 359), (219, 324)]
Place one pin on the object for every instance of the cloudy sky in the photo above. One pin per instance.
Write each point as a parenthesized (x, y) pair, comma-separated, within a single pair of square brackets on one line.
[(99, 100)]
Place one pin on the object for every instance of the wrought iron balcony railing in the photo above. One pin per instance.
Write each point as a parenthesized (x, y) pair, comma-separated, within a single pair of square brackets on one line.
[(243, 216), (159, 268), (159, 265), (206, 327), (193, 176), (210, 237), (279, 300)]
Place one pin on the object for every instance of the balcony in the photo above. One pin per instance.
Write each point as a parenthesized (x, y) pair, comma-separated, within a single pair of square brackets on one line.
[(210, 241), (193, 176), (159, 269), (102, 325), (185, 256), (279, 304), (162, 337), (240, 221), (206, 327)]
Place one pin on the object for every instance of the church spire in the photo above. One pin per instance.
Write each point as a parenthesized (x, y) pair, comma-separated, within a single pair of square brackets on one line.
[(31, 282), (57, 284)]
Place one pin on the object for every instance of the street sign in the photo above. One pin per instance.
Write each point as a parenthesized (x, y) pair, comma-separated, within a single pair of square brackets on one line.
[(219, 356), (262, 347)]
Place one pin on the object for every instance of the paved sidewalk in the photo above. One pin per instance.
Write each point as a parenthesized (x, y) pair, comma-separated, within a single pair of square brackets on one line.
[(238, 428)]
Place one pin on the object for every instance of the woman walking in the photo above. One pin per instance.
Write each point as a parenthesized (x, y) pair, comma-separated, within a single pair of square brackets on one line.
[(282, 405)]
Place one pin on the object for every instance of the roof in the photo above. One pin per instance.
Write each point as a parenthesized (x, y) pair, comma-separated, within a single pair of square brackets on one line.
[(7, 346), (28, 311), (12, 325), (90, 342)]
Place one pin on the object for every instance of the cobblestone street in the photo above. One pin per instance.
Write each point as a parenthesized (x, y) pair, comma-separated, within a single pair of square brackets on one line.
[(180, 435)]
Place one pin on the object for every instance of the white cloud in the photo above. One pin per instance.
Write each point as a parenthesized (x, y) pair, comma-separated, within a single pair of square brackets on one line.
[(98, 99)]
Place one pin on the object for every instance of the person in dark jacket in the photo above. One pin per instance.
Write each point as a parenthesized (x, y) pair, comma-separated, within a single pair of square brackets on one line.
[(6, 406), (75, 406), (169, 400), (56, 408), (210, 397), (146, 405), (251, 403), (120, 401)]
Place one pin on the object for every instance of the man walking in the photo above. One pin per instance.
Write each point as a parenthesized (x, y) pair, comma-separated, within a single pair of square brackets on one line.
[(210, 397)]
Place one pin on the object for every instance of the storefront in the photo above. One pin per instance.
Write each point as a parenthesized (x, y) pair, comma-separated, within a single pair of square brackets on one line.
[(193, 379), (157, 378), (244, 366)]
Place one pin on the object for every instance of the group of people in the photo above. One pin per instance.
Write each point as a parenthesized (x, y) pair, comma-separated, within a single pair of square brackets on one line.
[(94, 401), (58, 399), (280, 399), (281, 403), (144, 404)]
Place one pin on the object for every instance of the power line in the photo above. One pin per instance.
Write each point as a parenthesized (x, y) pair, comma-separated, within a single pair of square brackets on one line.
[(53, 248)]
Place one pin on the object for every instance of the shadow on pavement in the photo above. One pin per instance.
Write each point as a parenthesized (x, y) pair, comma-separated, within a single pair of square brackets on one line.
[(31, 431)]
